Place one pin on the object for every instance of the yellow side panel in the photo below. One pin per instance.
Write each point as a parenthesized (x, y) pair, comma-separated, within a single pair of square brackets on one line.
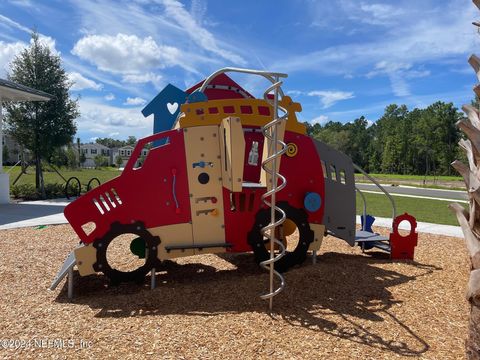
[(319, 231), (232, 149), (265, 178), (173, 235), (199, 113), (206, 200), (86, 256)]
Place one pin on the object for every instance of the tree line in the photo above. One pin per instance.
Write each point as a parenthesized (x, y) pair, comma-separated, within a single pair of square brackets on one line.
[(401, 141)]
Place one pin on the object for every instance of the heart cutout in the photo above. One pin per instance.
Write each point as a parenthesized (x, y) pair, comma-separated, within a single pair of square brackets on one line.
[(172, 107)]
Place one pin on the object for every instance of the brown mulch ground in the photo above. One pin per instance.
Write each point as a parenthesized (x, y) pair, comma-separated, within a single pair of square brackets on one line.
[(348, 306)]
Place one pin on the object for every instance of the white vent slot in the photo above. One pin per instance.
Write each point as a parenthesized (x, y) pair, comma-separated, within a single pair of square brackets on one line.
[(98, 206), (107, 195), (102, 199), (117, 197)]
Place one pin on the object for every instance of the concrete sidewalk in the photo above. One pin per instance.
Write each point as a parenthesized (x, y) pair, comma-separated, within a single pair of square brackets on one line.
[(422, 227), (32, 213)]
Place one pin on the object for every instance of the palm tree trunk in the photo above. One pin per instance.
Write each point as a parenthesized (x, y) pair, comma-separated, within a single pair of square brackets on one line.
[(469, 221)]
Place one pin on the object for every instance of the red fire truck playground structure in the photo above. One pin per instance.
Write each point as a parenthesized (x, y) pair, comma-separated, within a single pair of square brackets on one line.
[(234, 174)]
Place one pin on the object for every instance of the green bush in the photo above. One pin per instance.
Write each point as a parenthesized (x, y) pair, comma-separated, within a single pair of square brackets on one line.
[(25, 192), (55, 190), (28, 191)]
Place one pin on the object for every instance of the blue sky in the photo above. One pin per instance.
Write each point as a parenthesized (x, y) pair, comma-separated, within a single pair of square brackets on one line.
[(344, 58)]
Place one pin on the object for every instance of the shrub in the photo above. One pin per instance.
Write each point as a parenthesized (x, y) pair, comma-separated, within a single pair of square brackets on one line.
[(28, 191), (25, 192), (55, 190)]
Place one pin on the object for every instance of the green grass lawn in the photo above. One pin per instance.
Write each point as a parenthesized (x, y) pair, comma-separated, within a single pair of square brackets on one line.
[(84, 175), (432, 211)]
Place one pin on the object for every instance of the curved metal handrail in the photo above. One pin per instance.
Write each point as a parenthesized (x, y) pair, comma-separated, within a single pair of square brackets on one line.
[(394, 208), (269, 75), (364, 215)]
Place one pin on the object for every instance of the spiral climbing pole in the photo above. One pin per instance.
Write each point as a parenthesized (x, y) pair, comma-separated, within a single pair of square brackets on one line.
[(277, 216)]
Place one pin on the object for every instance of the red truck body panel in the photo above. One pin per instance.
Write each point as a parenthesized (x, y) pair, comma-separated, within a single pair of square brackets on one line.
[(144, 194)]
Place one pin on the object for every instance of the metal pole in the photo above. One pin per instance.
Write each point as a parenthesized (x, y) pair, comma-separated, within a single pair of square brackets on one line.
[(273, 150), (314, 257), (364, 215), (153, 279), (70, 282)]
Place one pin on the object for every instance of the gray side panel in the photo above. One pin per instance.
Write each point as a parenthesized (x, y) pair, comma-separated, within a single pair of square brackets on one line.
[(340, 210)]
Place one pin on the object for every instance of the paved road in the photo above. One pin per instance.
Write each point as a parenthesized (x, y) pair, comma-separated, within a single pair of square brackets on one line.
[(433, 193)]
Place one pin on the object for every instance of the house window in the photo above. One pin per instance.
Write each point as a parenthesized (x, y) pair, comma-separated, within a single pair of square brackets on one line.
[(93, 151), (122, 152), (129, 152), (84, 151)]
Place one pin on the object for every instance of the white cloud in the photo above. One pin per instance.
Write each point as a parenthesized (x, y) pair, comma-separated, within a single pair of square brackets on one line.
[(81, 83), (49, 42), (153, 78), (125, 54), (379, 14), (444, 35), (294, 92), (329, 98), (176, 11), (8, 51), (44, 39), (322, 120), (109, 97), (398, 73), (11, 23), (100, 119), (23, 3), (164, 22), (134, 101)]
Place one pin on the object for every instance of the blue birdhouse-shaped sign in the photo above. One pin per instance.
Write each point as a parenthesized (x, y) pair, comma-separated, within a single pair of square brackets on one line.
[(165, 108)]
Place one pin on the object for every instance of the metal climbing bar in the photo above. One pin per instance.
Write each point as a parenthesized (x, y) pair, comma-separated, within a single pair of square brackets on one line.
[(394, 208), (270, 132)]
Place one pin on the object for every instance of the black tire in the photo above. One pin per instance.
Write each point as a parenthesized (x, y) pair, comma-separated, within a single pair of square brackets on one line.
[(137, 275), (291, 258)]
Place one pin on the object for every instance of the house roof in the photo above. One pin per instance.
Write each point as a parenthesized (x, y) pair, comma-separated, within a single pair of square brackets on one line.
[(11, 91), (96, 145)]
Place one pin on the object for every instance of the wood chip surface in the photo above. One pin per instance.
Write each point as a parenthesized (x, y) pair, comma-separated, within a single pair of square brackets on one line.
[(347, 306)]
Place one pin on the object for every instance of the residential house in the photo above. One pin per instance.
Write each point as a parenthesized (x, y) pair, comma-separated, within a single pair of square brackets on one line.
[(93, 149), (125, 152), (14, 150)]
